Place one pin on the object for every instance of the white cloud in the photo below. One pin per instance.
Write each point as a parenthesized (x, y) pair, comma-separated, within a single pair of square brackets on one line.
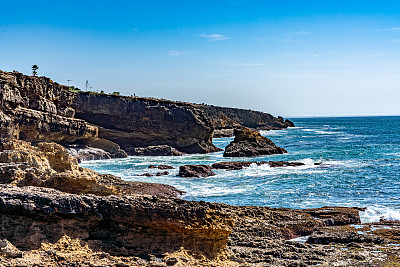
[(174, 53), (215, 37), (388, 29)]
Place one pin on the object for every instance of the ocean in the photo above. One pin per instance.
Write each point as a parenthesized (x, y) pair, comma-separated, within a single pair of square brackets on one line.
[(360, 168)]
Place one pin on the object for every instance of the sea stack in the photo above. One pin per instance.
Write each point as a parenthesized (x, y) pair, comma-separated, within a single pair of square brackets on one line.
[(249, 143)]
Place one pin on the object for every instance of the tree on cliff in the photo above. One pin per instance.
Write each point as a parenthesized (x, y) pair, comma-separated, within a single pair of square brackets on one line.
[(34, 70)]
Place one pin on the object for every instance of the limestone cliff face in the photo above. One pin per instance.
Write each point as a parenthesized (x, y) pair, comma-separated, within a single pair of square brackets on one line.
[(135, 225), (37, 109), (140, 122), (50, 165)]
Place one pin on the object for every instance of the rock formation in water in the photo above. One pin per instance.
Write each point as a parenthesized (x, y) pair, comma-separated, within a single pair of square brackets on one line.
[(195, 171), (160, 150), (238, 165), (249, 143)]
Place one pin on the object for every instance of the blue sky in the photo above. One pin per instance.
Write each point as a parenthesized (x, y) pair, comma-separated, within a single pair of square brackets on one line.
[(290, 58)]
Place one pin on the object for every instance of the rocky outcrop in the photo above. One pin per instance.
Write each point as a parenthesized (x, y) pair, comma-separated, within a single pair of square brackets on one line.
[(238, 165), (137, 225), (39, 110), (195, 171), (149, 230), (50, 165), (249, 143), (133, 122), (161, 150), (161, 167)]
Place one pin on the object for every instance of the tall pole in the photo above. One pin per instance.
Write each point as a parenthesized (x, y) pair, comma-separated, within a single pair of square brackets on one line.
[(87, 84)]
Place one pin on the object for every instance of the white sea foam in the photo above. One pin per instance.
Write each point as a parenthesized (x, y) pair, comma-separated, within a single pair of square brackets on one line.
[(214, 191), (376, 213)]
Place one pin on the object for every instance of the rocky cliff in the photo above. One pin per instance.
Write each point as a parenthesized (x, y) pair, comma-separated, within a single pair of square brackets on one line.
[(37, 109), (135, 122), (225, 119)]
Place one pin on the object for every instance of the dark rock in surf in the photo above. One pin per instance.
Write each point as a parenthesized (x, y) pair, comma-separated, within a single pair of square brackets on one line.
[(336, 215), (195, 171), (249, 143), (161, 150), (165, 167), (238, 165), (147, 174)]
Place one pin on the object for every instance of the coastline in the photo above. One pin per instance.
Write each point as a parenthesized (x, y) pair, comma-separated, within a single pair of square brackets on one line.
[(54, 212)]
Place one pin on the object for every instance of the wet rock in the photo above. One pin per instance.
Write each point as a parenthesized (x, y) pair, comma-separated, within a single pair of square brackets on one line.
[(195, 171), (88, 153), (165, 167), (249, 143), (147, 174), (275, 164), (161, 167), (344, 235), (160, 150), (232, 165), (91, 153), (335, 215), (162, 173), (238, 165)]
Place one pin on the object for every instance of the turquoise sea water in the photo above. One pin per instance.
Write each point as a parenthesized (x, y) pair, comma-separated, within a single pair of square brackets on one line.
[(361, 164)]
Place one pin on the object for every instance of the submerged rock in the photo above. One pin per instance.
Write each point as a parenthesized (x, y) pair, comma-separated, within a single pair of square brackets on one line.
[(195, 171), (249, 143), (161, 150)]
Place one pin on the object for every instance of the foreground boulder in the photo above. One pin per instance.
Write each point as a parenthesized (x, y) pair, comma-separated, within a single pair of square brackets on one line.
[(137, 225), (195, 171), (249, 143), (50, 165)]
